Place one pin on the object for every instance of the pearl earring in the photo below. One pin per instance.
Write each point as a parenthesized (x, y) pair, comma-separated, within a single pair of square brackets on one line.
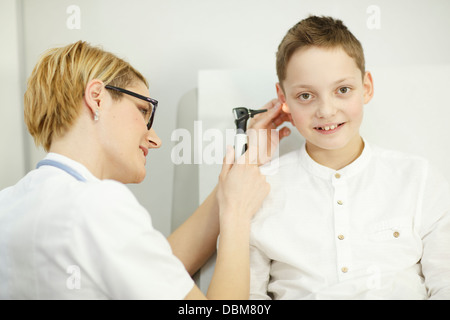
[(96, 115)]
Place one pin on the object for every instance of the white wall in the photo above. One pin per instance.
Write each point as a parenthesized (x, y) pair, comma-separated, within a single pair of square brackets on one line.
[(12, 159), (171, 40)]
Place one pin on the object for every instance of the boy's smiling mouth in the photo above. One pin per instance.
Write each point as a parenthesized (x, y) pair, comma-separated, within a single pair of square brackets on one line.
[(329, 127)]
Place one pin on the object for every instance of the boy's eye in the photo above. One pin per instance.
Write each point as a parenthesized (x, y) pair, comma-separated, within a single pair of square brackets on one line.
[(305, 96), (344, 90)]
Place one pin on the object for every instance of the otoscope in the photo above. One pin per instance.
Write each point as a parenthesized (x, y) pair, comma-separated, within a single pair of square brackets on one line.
[(241, 115)]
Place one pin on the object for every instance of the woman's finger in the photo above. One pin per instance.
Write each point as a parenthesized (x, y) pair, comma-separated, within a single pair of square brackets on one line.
[(228, 161)]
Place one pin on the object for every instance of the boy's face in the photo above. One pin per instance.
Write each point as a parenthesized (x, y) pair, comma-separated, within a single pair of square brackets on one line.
[(325, 93)]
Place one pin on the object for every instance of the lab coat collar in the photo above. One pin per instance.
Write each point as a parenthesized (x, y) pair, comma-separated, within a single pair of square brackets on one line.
[(81, 169)]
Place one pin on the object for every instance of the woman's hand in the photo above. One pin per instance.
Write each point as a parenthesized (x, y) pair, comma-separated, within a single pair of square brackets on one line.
[(241, 189), (262, 132), (240, 193)]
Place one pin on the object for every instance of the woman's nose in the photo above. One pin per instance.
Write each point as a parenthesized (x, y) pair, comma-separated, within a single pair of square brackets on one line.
[(155, 141)]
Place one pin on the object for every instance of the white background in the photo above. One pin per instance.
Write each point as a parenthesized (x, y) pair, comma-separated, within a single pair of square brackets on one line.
[(170, 41)]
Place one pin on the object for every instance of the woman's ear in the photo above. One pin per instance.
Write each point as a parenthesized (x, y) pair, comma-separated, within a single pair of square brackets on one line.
[(93, 94), (368, 87), (282, 98)]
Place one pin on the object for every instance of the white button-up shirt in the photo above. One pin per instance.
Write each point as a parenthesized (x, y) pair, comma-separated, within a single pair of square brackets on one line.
[(377, 229), (61, 238)]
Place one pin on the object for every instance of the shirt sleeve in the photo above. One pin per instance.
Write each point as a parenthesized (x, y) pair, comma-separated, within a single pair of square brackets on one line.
[(435, 232), (121, 252), (259, 274), (260, 262)]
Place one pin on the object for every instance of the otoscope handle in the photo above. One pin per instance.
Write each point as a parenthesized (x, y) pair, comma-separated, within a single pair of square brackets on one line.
[(241, 116), (240, 144)]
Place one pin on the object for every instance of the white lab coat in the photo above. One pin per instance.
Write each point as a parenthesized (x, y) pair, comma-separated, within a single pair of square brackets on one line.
[(61, 238)]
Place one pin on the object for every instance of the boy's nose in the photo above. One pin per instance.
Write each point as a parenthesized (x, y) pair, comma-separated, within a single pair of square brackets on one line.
[(326, 109)]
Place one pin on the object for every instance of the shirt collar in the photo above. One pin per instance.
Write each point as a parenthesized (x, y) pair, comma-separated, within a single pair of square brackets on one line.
[(327, 173), (81, 169)]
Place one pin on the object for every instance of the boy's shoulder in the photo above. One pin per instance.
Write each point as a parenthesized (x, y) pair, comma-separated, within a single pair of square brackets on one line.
[(406, 166), (281, 164), (395, 158)]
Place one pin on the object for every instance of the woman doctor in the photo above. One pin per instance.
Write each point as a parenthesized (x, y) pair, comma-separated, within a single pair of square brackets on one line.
[(71, 230)]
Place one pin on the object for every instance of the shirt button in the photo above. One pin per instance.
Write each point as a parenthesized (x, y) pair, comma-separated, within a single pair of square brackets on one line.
[(337, 176), (341, 237), (344, 269), (340, 202), (396, 234)]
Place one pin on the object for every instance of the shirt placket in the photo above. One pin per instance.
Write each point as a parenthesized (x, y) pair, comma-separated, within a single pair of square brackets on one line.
[(342, 226)]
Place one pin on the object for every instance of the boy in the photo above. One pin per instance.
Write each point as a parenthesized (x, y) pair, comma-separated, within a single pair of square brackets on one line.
[(344, 219)]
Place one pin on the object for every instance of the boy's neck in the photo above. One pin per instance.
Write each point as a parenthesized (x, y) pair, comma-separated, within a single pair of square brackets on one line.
[(338, 158)]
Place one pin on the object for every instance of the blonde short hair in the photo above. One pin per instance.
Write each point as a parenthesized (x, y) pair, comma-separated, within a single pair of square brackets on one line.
[(322, 32), (56, 87)]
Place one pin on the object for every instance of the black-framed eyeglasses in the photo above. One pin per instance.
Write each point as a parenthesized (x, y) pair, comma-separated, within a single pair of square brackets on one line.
[(149, 116)]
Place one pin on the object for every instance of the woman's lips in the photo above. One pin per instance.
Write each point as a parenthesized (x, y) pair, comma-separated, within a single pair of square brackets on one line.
[(144, 150)]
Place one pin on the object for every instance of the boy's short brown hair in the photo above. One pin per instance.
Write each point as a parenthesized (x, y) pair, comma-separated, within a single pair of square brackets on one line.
[(56, 87), (323, 32)]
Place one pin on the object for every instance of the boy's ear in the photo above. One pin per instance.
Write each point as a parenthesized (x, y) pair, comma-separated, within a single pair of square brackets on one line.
[(93, 94), (368, 87), (282, 98)]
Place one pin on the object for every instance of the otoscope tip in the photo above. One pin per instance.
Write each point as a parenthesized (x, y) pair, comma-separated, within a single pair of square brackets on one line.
[(252, 113)]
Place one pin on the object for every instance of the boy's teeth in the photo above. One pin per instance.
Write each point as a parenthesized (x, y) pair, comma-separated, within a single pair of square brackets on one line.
[(329, 128)]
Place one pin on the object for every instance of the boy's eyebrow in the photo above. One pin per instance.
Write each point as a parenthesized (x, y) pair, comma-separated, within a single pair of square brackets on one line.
[(308, 86), (343, 80)]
